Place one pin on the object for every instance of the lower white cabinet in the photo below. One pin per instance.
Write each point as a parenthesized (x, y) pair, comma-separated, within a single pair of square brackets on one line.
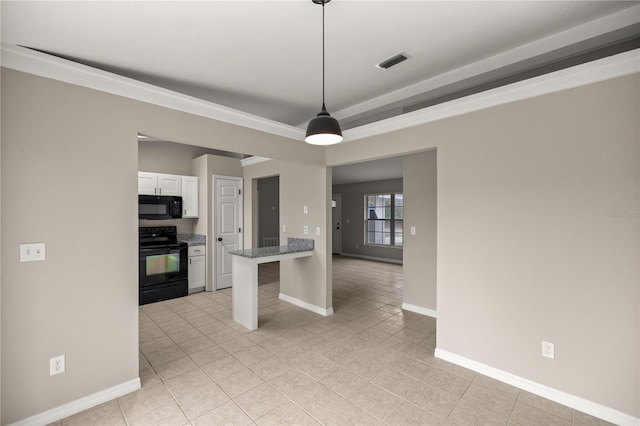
[(197, 268)]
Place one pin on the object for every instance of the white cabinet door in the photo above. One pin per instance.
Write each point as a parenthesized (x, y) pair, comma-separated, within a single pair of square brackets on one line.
[(169, 185), (147, 183), (189, 196), (197, 272)]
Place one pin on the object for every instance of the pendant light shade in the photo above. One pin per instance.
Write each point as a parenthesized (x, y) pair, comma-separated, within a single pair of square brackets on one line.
[(323, 129)]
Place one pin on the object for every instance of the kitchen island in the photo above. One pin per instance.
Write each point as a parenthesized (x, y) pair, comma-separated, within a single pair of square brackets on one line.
[(244, 266)]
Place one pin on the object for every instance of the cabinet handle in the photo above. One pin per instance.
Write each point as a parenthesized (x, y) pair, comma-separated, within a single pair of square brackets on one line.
[(189, 261)]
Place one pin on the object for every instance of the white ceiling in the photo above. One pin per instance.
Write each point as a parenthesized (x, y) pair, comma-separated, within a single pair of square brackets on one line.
[(264, 57)]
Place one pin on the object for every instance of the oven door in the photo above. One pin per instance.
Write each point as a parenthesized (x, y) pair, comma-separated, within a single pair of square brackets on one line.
[(159, 265)]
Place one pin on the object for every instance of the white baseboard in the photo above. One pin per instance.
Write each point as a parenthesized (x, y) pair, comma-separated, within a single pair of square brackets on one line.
[(420, 310), (305, 305), (74, 407), (377, 259), (572, 401)]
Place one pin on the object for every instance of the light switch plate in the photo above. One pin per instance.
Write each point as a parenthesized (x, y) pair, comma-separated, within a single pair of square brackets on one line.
[(317, 230), (306, 209), (413, 230), (31, 252)]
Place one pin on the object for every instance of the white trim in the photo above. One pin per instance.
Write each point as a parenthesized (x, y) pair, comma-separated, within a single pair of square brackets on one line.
[(374, 258), (26, 60), (420, 310), (253, 160), (29, 61), (308, 306), (84, 403), (575, 402), (592, 72)]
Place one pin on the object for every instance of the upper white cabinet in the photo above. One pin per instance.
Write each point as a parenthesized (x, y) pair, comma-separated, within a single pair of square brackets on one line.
[(159, 184), (189, 196), (147, 183), (163, 184), (169, 184)]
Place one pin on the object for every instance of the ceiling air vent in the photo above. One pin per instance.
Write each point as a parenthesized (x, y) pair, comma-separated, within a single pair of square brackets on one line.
[(394, 60)]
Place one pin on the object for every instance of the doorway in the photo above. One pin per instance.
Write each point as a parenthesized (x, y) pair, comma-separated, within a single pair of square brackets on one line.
[(268, 221)]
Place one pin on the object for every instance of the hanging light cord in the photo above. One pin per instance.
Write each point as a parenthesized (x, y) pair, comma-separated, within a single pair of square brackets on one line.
[(323, 54)]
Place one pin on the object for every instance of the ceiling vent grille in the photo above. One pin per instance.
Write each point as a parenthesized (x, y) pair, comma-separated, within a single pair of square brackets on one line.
[(394, 60)]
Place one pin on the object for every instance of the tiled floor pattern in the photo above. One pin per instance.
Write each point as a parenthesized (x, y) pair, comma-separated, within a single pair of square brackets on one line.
[(371, 363)]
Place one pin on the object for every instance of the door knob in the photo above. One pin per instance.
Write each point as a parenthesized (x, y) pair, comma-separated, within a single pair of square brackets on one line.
[(219, 238)]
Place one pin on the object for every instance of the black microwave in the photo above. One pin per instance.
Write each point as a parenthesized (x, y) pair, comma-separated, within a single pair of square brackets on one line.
[(159, 207)]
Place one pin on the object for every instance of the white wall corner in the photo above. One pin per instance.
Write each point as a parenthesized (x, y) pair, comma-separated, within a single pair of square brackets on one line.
[(305, 305), (420, 310), (84, 403), (572, 401)]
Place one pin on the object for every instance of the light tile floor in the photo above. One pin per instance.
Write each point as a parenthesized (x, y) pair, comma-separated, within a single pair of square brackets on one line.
[(371, 363)]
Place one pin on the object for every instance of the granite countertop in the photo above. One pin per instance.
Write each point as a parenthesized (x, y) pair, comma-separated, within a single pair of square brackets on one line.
[(294, 245), (193, 239)]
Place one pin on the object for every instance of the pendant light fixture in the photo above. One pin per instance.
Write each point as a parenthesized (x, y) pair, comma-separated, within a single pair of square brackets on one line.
[(323, 129)]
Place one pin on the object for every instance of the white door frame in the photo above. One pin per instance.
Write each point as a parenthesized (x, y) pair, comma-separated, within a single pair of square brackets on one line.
[(338, 209), (214, 230)]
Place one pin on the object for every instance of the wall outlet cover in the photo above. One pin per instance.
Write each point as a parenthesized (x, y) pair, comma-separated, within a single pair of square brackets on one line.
[(32, 252), (57, 365)]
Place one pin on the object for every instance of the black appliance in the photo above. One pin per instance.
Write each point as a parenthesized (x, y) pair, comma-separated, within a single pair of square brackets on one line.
[(162, 264), (159, 207)]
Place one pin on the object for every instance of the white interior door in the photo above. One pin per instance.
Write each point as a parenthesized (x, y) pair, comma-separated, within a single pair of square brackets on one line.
[(227, 210), (336, 214)]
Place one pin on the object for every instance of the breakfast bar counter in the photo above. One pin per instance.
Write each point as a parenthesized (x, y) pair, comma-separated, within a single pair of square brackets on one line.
[(244, 266)]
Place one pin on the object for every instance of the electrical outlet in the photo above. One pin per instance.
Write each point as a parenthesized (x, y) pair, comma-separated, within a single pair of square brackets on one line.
[(56, 365), (317, 230), (306, 230), (547, 350), (32, 252)]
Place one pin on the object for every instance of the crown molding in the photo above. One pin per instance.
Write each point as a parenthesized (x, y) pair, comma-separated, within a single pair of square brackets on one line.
[(614, 66), (33, 62), (37, 63), (253, 160), (588, 30)]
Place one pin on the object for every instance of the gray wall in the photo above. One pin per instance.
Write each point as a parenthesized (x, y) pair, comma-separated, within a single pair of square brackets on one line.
[(420, 211), (205, 167), (70, 176), (308, 279), (269, 208), (530, 245), (169, 157), (353, 212), (83, 300)]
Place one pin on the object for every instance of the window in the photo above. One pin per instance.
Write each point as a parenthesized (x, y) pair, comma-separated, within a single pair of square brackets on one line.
[(383, 221)]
